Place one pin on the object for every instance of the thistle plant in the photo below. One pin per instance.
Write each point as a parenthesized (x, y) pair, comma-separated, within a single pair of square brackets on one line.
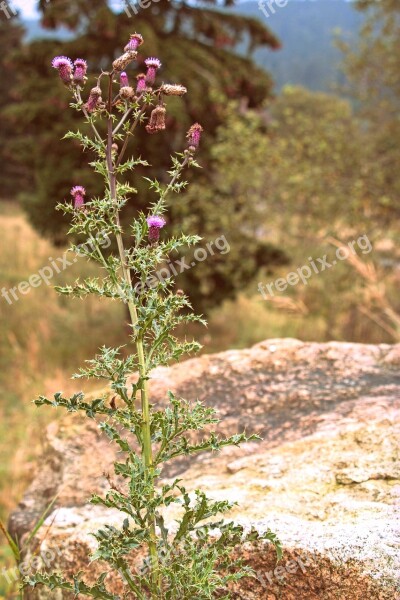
[(193, 555)]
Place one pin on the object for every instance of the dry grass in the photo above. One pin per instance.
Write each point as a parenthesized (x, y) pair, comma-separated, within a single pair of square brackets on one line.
[(43, 339)]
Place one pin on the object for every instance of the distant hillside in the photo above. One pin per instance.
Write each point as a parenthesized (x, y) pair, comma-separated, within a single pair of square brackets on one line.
[(306, 29)]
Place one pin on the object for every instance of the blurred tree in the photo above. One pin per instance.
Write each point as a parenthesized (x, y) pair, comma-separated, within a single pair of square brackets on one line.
[(232, 201), (280, 177), (197, 43), (373, 70), (11, 34)]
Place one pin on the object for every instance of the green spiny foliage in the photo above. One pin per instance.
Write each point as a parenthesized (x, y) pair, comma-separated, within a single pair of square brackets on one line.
[(193, 558)]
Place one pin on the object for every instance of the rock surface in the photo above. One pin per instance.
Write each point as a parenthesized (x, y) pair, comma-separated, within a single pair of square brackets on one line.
[(325, 477)]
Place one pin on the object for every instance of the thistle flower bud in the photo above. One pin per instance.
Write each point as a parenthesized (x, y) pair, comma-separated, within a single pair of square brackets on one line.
[(114, 148), (78, 193), (152, 64), (80, 71), (94, 100), (134, 43), (141, 83), (157, 120), (123, 61), (173, 90), (155, 223), (64, 66), (123, 79), (194, 136)]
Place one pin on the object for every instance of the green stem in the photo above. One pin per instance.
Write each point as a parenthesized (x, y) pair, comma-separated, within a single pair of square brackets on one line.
[(131, 583), (145, 404)]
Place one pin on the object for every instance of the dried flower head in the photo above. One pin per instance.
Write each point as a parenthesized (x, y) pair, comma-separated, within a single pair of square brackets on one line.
[(134, 43), (64, 66), (78, 193), (173, 90), (127, 92), (157, 120), (123, 61), (194, 135), (123, 79), (94, 101), (155, 223), (80, 70), (152, 64), (141, 83)]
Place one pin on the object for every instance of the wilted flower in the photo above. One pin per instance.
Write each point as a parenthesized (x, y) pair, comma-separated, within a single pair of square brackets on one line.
[(123, 61), (64, 66), (152, 64), (155, 223), (157, 120), (141, 83), (134, 43), (126, 92), (78, 193), (194, 135), (173, 90), (80, 70), (94, 100)]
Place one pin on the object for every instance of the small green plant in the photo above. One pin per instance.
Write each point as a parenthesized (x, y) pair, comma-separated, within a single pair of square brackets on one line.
[(193, 559), (18, 549)]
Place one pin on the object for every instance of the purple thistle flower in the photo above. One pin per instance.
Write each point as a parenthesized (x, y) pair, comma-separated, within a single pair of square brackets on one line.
[(194, 135), (64, 66), (155, 223), (141, 83), (123, 79), (80, 70), (134, 43), (78, 193), (152, 64)]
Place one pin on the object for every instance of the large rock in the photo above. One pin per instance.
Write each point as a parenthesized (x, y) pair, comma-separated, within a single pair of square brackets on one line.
[(325, 477)]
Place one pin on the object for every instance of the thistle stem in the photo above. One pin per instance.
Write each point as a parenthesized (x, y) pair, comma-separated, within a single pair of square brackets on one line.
[(147, 450)]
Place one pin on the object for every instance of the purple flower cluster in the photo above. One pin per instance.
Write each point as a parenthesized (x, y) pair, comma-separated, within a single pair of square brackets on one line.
[(74, 73), (70, 72)]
